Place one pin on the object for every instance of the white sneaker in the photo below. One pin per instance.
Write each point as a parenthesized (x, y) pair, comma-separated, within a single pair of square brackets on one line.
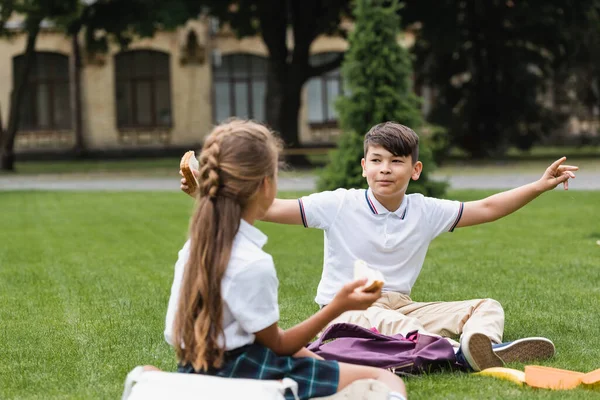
[(525, 350)]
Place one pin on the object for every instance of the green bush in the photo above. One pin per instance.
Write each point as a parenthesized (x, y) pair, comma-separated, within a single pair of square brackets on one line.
[(377, 73)]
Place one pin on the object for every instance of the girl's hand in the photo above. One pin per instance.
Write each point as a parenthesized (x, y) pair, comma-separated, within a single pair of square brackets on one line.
[(183, 185), (351, 297)]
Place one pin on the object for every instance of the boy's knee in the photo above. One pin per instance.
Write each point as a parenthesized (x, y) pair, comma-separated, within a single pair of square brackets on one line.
[(491, 306), (495, 304)]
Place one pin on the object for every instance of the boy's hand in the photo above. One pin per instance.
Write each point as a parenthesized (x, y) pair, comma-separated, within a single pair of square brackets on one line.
[(184, 186), (556, 174), (351, 297)]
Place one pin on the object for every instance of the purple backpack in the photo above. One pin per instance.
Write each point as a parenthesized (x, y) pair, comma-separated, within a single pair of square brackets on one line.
[(416, 353)]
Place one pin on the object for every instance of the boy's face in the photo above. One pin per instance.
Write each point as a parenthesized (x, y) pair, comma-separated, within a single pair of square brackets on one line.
[(387, 174)]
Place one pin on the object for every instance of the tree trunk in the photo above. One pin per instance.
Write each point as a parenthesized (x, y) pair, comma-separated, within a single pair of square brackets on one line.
[(275, 94), (75, 87), (7, 155), (283, 100), (1, 126), (290, 110), (481, 133), (287, 72)]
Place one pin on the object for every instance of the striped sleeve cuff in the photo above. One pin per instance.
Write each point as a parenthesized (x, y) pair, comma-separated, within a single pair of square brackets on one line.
[(302, 214), (460, 212)]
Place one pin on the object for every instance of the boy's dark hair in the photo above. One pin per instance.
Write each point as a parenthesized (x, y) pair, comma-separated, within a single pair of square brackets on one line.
[(396, 138)]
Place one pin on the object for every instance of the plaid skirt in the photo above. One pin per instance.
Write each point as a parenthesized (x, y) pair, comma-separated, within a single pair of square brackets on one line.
[(315, 378)]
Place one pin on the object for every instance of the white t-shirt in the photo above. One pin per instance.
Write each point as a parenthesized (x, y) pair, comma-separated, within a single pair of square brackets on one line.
[(357, 226), (249, 289)]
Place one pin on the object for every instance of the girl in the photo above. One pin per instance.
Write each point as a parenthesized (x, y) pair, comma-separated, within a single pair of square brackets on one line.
[(223, 311)]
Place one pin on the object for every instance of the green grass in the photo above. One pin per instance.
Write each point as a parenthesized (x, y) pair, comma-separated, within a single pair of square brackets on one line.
[(156, 166), (502, 167), (134, 168), (85, 279), (534, 161), (587, 158), (543, 152)]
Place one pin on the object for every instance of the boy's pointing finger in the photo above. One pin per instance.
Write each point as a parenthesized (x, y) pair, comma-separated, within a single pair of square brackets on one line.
[(556, 163), (568, 168)]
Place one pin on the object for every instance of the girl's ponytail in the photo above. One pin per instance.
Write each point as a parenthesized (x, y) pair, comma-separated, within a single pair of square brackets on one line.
[(234, 161)]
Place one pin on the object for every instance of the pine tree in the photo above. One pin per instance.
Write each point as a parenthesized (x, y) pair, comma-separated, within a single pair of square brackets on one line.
[(377, 73)]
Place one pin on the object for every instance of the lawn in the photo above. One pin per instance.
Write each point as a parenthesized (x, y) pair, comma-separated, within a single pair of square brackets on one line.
[(536, 161), (85, 279), (167, 167), (128, 166)]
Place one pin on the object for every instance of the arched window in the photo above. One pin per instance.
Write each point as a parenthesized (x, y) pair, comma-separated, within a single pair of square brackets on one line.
[(143, 89), (240, 82), (47, 101), (322, 92)]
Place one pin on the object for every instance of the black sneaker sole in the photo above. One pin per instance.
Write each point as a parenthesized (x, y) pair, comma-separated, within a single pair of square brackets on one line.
[(526, 350)]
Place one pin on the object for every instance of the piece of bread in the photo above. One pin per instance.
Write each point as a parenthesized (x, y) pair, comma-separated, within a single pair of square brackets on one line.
[(375, 279), (187, 164)]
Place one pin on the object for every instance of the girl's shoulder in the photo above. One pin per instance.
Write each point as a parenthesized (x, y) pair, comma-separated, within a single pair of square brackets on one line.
[(250, 262)]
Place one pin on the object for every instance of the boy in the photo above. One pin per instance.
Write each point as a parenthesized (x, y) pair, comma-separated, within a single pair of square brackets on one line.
[(391, 231)]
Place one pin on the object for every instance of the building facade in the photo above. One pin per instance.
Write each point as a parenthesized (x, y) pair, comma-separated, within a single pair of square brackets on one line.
[(161, 92)]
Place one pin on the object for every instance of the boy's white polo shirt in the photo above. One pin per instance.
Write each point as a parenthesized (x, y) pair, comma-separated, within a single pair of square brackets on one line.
[(357, 226), (249, 289)]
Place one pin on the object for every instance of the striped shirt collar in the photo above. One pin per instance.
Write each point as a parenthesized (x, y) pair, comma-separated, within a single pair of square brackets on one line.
[(377, 208)]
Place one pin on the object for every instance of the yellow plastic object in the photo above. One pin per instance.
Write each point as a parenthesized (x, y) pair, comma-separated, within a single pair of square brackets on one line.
[(509, 374), (552, 378)]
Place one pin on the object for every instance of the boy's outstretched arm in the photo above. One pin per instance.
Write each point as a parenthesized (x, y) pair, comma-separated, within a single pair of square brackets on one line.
[(284, 211), (504, 203)]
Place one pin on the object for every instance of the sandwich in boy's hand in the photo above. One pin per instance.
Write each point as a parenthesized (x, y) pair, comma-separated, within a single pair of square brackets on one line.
[(375, 279), (188, 163)]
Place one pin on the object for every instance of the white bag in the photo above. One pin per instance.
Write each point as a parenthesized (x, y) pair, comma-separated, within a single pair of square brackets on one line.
[(159, 385)]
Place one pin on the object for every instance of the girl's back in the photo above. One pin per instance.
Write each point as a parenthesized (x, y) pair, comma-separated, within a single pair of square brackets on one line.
[(249, 289), (223, 311)]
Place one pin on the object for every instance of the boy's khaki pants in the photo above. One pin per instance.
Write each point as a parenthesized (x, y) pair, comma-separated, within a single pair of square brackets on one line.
[(396, 313)]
